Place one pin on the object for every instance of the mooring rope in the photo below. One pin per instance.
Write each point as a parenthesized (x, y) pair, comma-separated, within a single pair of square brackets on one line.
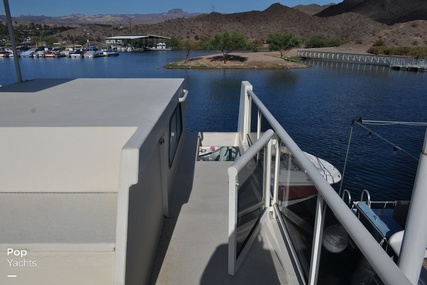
[(346, 158), (360, 123), (387, 123)]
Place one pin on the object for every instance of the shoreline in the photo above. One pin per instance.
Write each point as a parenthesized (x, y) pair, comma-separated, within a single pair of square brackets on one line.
[(256, 60), (237, 60)]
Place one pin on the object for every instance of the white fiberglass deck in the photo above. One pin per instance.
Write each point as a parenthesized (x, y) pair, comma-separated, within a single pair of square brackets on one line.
[(195, 239), (70, 151)]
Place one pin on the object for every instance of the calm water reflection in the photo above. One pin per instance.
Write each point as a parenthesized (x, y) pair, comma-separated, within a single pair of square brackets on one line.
[(315, 105)]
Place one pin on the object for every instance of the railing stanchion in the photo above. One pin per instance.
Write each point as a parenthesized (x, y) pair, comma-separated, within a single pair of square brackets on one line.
[(317, 241)]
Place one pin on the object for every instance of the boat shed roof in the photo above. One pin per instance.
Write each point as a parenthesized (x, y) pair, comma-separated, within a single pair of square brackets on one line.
[(136, 37), (126, 37)]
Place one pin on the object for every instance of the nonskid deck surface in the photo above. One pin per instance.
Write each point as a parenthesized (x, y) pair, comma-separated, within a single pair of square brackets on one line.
[(194, 246)]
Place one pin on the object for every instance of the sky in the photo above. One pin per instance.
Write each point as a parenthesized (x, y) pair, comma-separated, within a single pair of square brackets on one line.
[(62, 8)]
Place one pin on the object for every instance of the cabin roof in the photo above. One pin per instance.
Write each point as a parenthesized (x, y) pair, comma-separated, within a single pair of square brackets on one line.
[(76, 102)]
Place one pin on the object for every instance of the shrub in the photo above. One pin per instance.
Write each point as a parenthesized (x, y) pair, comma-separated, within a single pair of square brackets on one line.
[(321, 41)]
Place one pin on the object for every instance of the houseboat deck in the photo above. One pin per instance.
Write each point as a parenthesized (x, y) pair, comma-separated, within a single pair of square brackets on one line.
[(193, 249), (73, 150)]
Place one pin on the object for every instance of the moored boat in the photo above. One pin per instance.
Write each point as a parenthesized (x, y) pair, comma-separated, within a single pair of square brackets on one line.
[(294, 182), (158, 47), (76, 51), (4, 53), (29, 53), (90, 52)]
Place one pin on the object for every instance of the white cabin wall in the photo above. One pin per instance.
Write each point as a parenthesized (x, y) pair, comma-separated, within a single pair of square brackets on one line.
[(140, 222), (69, 159), (145, 221)]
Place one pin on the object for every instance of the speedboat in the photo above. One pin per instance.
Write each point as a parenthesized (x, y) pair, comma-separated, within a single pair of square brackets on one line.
[(29, 53), (90, 52), (76, 52), (294, 182), (108, 53), (158, 47), (4, 53)]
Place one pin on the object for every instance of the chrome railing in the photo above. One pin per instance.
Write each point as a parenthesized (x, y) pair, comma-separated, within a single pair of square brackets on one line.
[(323, 207)]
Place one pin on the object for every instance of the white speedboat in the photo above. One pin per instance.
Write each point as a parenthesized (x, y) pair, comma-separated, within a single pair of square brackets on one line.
[(4, 53), (108, 53), (294, 182), (29, 53), (90, 52), (158, 47)]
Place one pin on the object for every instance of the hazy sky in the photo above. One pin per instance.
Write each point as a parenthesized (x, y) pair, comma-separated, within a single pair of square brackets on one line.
[(60, 7)]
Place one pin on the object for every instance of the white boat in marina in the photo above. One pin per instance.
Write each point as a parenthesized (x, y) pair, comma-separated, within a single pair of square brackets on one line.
[(76, 51), (108, 53), (91, 52), (158, 47), (29, 53), (4, 52)]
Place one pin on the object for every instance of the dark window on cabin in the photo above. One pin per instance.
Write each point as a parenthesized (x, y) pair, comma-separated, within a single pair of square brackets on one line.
[(175, 131)]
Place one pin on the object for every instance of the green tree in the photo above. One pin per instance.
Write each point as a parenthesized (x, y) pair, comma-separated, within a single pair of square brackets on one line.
[(283, 42), (227, 43), (173, 42), (189, 45)]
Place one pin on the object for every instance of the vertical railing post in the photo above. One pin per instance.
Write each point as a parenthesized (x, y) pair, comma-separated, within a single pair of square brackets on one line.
[(244, 124), (276, 173), (233, 185), (267, 179), (258, 129), (317, 241), (415, 236), (12, 40)]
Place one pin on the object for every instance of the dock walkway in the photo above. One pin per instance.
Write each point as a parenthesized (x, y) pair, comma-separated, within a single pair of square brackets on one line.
[(394, 62), (194, 246)]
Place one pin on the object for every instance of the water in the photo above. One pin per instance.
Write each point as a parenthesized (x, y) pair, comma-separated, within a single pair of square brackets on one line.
[(315, 105)]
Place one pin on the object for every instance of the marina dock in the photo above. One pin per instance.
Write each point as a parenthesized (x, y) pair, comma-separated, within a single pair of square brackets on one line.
[(394, 62)]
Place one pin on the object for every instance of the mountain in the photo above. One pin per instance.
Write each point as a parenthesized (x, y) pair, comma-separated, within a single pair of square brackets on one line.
[(107, 19), (385, 11), (312, 9), (352, 26), (276, 18)]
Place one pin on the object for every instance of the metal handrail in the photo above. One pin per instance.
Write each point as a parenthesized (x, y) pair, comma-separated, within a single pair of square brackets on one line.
[(239, 164), (387, 270), (233, 184)]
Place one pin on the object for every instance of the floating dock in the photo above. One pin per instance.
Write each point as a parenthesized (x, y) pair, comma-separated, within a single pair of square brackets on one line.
[(394, 62)]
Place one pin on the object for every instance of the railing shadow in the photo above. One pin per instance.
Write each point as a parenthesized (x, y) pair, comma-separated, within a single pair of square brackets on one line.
[(257, 268)]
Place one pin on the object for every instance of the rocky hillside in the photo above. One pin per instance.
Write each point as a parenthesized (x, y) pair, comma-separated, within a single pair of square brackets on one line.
[(384, 11), (277, 18), (311, 9), (353, 27), (106, 19)]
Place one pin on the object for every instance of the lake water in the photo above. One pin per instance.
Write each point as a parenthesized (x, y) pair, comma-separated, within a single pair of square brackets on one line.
[(316, 106)]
